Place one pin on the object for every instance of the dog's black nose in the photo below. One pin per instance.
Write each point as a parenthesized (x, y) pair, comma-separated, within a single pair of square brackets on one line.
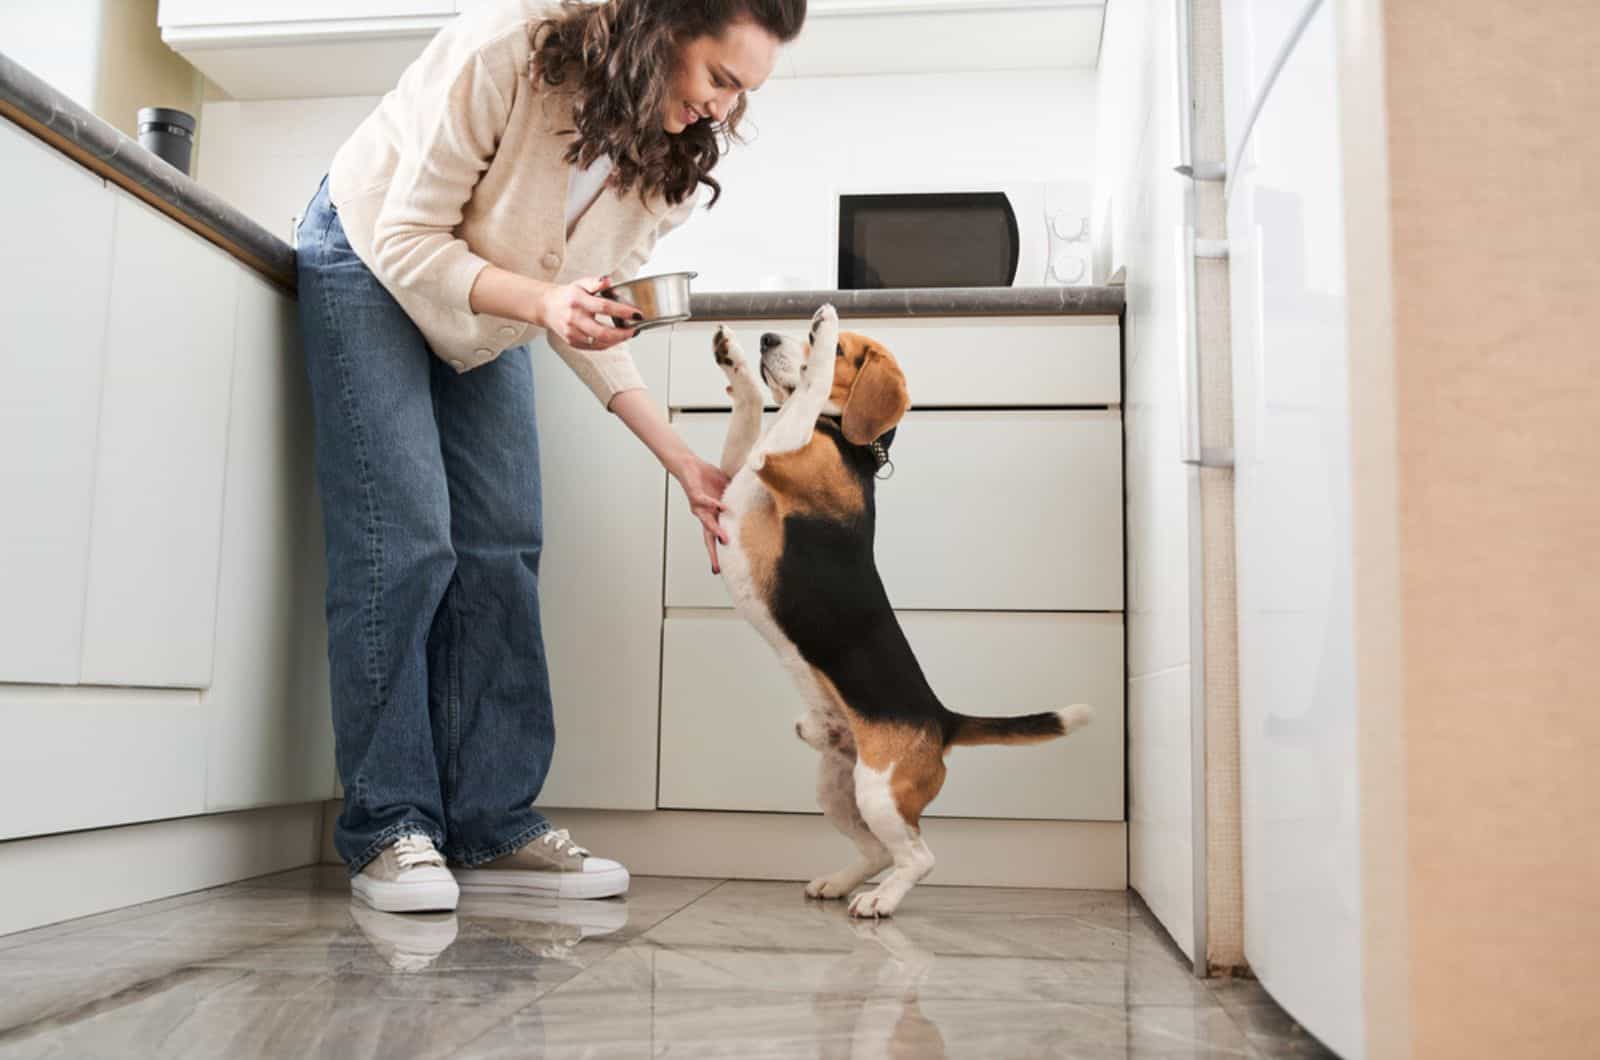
[(769, 340)]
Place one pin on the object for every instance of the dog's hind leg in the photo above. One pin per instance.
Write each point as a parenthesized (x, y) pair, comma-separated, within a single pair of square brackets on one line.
[(891, 800), (797, 419), (745, 427), (836, 794)]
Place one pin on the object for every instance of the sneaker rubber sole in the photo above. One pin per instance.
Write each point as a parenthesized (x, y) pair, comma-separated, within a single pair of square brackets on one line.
[(432, 896), (606, 884)]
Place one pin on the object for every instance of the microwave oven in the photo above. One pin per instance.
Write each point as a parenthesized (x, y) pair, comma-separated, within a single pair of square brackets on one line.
[(1020, 233)]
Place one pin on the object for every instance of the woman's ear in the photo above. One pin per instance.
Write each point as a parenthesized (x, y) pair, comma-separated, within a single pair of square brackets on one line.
[(877, 399)]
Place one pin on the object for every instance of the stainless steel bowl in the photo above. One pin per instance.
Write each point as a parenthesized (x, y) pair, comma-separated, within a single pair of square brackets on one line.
[(663, 298)]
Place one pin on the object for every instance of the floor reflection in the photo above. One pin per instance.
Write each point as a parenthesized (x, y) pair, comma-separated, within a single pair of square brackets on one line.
[(886, 1022), (291, 967)]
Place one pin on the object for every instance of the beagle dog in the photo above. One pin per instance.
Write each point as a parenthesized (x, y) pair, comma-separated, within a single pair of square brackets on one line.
[(799, 566)]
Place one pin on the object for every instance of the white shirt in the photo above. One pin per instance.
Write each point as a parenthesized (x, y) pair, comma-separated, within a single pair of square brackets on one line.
[(584, 188)]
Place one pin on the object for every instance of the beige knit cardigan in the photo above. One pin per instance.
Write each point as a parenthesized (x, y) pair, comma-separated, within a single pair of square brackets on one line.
[(461, 165)]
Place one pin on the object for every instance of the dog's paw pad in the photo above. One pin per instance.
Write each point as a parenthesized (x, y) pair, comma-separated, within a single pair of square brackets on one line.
[(724, 348), (825, 314)]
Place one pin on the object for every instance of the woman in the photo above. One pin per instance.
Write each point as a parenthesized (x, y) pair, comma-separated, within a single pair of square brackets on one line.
[(531, 155)]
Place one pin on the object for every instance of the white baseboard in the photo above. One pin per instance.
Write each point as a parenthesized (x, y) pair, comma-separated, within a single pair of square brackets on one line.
[(58, 877), (792, 846)]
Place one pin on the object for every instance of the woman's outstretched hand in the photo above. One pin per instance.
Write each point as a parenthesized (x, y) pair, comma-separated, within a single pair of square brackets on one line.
[(703, 483)]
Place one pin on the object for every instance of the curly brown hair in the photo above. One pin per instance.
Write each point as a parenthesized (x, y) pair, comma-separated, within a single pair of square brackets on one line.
[(617, 56)]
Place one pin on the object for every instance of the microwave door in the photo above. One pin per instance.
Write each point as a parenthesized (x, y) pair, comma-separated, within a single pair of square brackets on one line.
[(923, 239), (1030, 255)]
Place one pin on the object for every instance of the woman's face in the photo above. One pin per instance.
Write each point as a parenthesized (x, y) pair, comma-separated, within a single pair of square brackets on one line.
[(712, 72)]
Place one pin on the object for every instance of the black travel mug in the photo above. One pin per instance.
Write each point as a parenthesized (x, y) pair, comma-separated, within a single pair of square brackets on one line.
[(168, 134)]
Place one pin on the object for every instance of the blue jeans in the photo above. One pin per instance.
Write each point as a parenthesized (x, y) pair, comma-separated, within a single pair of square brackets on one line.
[(429, 482)]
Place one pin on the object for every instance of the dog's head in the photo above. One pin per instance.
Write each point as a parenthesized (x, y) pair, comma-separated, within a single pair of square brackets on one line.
[(869, 392)]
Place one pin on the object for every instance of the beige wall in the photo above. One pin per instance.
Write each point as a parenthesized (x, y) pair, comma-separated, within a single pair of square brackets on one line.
[(137, 70), (106, 55), (1481, 717)]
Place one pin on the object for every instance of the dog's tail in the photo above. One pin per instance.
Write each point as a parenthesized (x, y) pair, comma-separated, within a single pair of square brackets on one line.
[(1023, 728)]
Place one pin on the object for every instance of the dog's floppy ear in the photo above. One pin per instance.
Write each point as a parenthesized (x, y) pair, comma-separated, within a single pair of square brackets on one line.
[(877, 400)]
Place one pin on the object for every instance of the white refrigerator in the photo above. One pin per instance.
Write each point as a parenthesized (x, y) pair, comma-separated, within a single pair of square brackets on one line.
[(1300, 787)]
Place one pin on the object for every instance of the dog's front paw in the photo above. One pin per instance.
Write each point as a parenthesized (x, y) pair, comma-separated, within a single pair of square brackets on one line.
[(824, 331), (730, 358), (824, 339), (879, 901)]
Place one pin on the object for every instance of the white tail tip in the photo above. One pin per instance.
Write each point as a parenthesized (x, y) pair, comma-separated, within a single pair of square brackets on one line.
[(1075, 717)]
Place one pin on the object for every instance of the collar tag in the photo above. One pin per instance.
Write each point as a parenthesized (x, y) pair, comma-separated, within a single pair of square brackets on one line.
[(885, 465)]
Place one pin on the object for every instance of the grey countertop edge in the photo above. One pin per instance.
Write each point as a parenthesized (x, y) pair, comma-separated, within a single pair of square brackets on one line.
[(52, 109), (911, 302)]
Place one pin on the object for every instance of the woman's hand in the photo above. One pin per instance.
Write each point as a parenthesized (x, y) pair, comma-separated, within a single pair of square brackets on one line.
[(569, 311), (703, 484)]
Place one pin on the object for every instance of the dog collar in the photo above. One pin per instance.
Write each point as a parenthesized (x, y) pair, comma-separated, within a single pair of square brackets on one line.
[(878, 446)]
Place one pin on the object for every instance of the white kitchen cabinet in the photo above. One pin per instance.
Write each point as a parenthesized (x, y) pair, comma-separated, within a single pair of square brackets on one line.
[(260, 49), (1002, 511), (54, 275), (197, 13), (76, 758), (728, 710), (155, 531), (269, 722), (605, 499), (956, 362)]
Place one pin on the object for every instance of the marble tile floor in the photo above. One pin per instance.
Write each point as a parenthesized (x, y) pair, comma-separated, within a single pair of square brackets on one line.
[(288, 966)]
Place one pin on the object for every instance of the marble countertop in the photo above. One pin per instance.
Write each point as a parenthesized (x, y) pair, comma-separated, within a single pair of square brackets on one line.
[(41, 109)]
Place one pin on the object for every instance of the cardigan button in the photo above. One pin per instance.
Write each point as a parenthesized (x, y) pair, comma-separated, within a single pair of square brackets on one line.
[(484, 352), (456, 363), (551, 261), (507, 331)]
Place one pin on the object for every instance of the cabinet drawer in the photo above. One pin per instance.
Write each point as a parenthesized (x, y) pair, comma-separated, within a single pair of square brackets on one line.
[(728, 710), (955, 362), (988, 511)]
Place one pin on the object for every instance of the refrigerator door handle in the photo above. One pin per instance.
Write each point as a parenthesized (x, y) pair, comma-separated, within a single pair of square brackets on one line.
[(1193, 453)]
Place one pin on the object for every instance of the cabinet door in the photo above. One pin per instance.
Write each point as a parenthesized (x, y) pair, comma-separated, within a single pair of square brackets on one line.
[(600, 586), (270, 733), (994, 511), (155, 529), (55, 266), (728, 710)]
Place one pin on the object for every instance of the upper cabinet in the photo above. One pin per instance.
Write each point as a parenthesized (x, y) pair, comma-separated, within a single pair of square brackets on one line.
[(197, 13), (261, 49)]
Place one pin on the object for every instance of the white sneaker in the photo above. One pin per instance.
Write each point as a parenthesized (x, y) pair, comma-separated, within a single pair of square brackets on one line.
[(551, 866), (408, 877)]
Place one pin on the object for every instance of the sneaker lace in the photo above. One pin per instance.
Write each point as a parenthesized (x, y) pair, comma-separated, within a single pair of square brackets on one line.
[(413, 850), (560, 839)]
